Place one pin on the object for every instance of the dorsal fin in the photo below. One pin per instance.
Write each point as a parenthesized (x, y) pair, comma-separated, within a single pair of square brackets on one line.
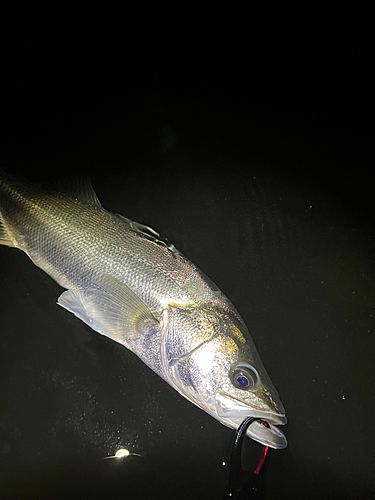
[(77, 186), (150, 234)]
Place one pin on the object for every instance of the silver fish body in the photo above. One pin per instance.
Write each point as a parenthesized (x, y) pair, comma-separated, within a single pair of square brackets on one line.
[(128, 284)]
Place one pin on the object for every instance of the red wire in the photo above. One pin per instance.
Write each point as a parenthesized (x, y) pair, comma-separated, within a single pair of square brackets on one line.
[(264, 452), (261, 460)]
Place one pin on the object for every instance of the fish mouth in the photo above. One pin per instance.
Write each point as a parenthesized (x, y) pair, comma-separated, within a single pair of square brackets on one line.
[(232, 412)]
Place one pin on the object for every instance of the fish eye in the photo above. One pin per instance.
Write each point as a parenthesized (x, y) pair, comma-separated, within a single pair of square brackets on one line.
[(243, 376)]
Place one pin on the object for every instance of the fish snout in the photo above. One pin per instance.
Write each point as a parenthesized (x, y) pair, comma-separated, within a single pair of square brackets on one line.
[(232, 412)]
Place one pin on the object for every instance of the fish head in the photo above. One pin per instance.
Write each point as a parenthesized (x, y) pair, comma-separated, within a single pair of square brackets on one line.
[(210, 358)]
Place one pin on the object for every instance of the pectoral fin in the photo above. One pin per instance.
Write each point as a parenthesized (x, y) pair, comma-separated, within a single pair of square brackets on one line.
[(114, 311)]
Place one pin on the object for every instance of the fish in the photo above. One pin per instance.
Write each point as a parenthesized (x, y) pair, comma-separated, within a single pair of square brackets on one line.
[(126, 282)]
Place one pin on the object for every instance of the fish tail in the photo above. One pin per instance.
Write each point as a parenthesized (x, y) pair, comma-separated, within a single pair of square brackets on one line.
[(5, 236)]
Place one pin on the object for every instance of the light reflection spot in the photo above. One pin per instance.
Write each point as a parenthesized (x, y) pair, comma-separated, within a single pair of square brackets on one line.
[(122, 453)]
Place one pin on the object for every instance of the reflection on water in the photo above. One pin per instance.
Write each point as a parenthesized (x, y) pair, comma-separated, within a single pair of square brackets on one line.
[(122, 453)]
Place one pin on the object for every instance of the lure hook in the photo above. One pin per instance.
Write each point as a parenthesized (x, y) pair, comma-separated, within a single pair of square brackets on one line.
[(246, 484)]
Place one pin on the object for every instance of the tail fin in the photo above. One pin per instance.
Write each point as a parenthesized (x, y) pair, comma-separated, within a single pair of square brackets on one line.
[(5, 238)]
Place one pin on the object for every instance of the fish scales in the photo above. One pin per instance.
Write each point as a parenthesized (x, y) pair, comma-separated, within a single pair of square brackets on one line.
[(126, 283), (74, 245)]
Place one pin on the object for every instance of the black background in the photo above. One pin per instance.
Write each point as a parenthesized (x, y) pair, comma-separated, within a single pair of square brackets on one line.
[(244, 134)]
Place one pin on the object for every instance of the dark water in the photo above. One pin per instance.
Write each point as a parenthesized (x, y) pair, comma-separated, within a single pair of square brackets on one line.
[(261, 180)]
